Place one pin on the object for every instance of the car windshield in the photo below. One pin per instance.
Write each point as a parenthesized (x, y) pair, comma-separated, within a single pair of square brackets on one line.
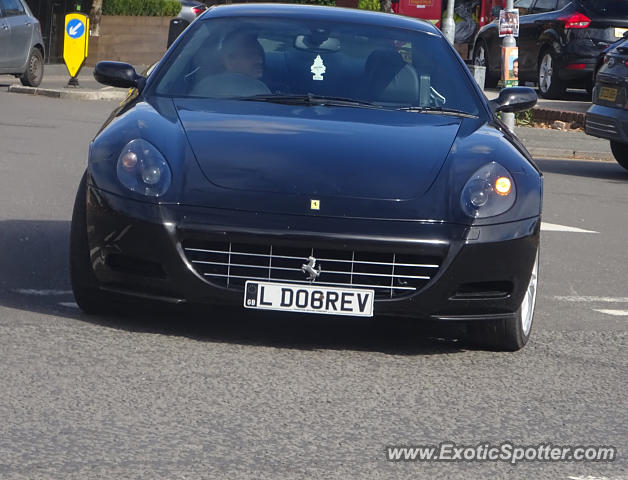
[(312, 60), (611, 8)]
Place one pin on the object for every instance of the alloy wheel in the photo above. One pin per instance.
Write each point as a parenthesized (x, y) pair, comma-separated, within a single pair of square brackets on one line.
[(546, 72), (529, 300)]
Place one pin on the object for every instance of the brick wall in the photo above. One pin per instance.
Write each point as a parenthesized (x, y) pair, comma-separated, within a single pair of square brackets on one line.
[(135, 40)]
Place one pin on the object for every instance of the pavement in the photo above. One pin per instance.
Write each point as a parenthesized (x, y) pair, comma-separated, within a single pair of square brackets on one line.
[(173, 394), (55, 84), (564, 144)]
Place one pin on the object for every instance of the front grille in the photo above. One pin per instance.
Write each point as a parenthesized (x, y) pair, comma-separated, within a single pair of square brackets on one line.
[(390, 275)]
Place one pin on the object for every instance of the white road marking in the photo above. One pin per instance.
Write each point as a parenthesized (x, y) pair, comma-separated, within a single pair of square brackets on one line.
[(552, 227), (578, 298), (617, 313), (32, 291), (69, 304), (591, 477)]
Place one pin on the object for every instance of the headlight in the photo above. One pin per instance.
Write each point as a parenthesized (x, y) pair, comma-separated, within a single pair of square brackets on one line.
[(142, 169), (490, 191)]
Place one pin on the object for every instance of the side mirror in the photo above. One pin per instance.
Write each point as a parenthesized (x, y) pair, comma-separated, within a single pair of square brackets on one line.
[(514, 99), (495, 12), (118, 74)]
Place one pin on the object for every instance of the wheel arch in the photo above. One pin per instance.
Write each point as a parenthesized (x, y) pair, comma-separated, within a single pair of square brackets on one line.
[(549, 39), (40, 47)]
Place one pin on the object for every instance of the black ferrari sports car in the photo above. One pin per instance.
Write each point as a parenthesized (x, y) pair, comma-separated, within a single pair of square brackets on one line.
[(316, 160)]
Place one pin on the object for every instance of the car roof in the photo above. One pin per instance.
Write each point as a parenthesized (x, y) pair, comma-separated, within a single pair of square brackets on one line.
[(320, 12)]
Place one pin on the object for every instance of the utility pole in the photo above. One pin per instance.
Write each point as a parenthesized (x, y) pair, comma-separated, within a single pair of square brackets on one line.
[(509, 41), (449, 26)]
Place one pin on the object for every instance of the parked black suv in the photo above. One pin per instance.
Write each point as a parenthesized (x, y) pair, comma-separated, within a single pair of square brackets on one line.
[(608, 116), (559, 42)]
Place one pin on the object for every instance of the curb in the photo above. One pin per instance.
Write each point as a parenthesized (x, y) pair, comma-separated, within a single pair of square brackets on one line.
[(561, 154), (71, 94), (575, 119)]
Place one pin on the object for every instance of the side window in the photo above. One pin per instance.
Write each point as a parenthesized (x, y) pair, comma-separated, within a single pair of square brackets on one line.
[(523, 6), (12, 8), (544, 6), (562, 4)]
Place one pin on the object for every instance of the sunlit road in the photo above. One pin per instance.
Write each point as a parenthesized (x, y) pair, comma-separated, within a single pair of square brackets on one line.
[(222, 394)]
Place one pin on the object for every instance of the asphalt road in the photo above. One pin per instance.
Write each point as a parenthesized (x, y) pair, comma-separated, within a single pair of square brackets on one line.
[(219, 394)]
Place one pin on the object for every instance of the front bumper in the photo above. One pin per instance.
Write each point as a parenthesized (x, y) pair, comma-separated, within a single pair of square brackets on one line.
[(137, 250)]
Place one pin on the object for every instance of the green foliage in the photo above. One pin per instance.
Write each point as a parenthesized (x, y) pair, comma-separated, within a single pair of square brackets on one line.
[(151, 8), (524, 118), (329, 3), (369, 5)]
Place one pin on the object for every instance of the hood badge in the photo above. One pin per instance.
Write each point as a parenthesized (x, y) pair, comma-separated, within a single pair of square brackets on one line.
[(309, 268)]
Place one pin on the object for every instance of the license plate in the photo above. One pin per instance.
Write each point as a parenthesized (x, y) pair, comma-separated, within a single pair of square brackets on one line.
[(608, 94), (619, 32), (308, 298)]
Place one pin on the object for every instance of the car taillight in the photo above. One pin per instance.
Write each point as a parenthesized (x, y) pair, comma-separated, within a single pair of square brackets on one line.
[(198, 10), (576, 20), (576, 66)]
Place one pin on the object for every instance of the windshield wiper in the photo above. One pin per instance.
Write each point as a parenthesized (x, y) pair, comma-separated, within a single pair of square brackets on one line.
[(438, 110), (309, 99)]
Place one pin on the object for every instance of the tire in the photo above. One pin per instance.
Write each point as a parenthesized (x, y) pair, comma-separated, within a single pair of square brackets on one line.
[(550, 86), (480, 57), (508, 334), (34, 69), (620, 152), (84, 283)]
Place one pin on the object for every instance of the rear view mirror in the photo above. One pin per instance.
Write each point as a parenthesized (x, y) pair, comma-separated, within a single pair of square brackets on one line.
[(317, 41), (514, 99), (118, 74)]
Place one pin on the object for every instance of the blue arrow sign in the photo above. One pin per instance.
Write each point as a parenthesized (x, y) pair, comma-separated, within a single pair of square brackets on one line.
[(75, 28)]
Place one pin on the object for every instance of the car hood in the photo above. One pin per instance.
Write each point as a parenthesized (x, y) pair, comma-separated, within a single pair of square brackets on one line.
[(321, 151)]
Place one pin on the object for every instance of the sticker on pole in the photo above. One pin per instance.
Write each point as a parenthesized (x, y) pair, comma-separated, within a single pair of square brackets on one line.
[(510, 67), (75, 41), (509, 23)]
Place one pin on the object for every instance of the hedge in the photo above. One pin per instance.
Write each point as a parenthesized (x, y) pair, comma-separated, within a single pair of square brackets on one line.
[(369, 5), (151, 8), (170, 8)]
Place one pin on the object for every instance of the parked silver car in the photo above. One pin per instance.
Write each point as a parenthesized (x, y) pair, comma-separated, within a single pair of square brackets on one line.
[(21, 44), (190, 9)]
